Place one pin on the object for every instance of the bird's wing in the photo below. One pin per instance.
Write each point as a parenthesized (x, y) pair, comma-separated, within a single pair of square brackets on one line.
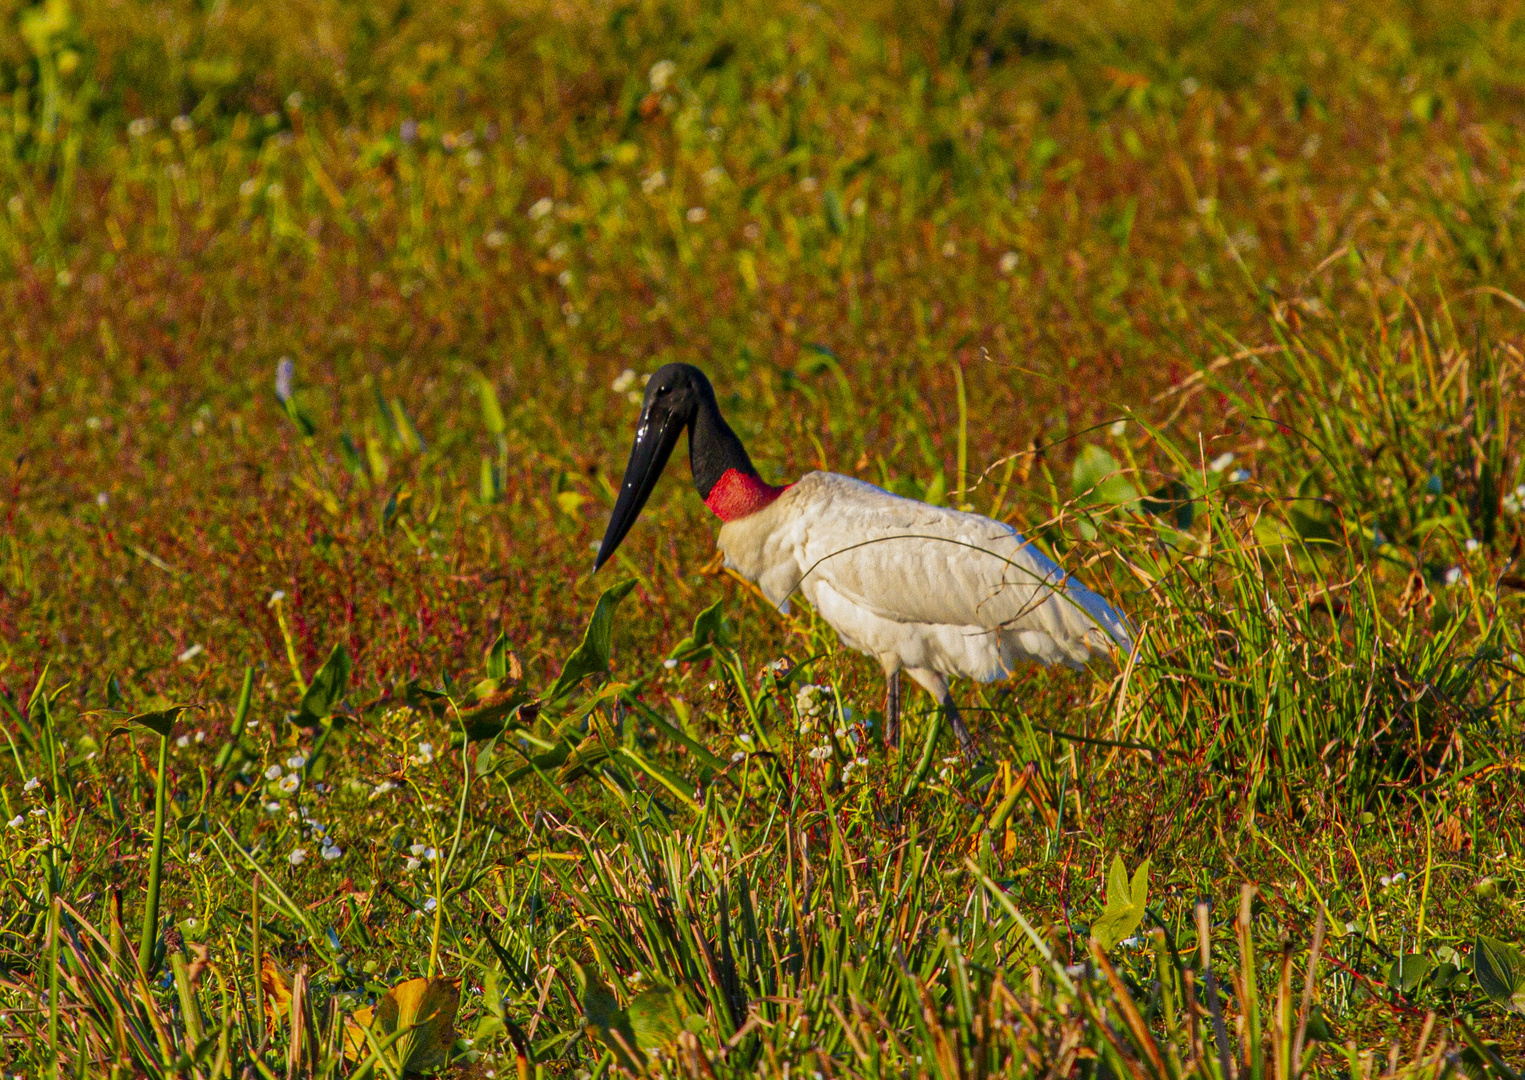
[(912, 562)]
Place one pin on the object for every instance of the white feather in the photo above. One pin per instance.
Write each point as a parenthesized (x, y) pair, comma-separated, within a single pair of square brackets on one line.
[(936, 592)]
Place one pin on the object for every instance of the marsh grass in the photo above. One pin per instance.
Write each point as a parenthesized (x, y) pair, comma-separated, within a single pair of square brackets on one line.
[(323, 321)]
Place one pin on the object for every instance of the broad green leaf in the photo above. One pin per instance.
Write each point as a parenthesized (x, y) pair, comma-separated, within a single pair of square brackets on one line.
[(327, 687), (655, 1018), (606, 1021), (497, 657), (1126, 904), (1500, 970), (592, 656), (1097, 480), (1407, 972)]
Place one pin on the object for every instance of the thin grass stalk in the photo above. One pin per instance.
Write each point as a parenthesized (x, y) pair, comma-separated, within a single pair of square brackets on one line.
[(1309, 981), (150, 935), (1220, 1029)]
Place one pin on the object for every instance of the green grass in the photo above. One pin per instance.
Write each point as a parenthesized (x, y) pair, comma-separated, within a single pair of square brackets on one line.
[(1221, 303)]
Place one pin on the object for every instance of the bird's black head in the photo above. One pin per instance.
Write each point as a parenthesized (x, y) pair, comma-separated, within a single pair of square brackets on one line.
[(678, 398)]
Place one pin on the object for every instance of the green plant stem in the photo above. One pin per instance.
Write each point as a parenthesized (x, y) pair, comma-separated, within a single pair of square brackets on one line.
[(928, 750), (156, 862)]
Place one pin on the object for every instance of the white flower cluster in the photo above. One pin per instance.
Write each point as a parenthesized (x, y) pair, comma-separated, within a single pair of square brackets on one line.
[(287, 782), (418, 855), (856, 765), (425, 753), (1514, 502), (815, 704)]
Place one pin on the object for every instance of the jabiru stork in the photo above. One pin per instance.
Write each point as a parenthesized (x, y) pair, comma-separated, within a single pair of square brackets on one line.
[(934, 592)]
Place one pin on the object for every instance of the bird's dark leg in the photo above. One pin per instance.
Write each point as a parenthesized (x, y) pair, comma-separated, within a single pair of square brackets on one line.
[(892, 709), (966, 741)]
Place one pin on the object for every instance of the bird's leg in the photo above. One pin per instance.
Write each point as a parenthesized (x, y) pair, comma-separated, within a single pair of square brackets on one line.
[(892, 709), (966, 741)]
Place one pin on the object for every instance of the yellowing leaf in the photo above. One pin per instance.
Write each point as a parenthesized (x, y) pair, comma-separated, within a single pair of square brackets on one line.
[(414, 1022), (272, 981)]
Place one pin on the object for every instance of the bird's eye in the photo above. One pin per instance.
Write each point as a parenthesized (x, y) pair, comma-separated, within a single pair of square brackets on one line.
[(662, 390)]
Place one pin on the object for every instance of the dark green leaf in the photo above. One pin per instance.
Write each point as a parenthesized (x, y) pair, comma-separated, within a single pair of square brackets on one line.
[(1407, 972), (1500, 970), (605, 1019), (592, 656), (160, 721), (327, 687), (1172, 501)]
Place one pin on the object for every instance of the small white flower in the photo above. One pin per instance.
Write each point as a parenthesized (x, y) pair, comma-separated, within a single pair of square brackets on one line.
[(295, 761), (738, 756), (181, 123), (623, 381), (430, 904), (1472, 544), (1221, 462), (382, 788), (669, 663), (195, 856), (40, 812), (425, 753), (821, 753), (1385, 881), (297, 857), (101, 498), (744, 737), (32, 785), (1239, 476), (191, 654), (696, 214), (273, 772), (661, 74), (1190, 86), (495, 239), (183, 741), (653, 182), (861, 762), (276, 597), (541, 208), (331, 851), (411, 865), (809, 184), (290, 782), (416, 849), (1009, 262), (1452, 575), (713, 175), (17, 821), (272, 806), (1400, 876), (950, 249), (429, 854)]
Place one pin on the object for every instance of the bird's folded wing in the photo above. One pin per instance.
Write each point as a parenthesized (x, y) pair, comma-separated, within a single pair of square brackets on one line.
[(912, 562)]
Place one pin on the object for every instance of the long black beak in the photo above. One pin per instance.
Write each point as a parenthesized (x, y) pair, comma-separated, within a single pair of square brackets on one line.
[(654, 441)]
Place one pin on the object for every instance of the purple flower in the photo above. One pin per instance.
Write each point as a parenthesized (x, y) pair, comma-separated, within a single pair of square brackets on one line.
[(285, 374)]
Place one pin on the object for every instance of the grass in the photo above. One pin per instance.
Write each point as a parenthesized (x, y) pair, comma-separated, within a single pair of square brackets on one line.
[(309, 694)]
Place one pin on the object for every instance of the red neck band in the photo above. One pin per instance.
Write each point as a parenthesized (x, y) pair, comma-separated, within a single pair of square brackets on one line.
[(737, 494)]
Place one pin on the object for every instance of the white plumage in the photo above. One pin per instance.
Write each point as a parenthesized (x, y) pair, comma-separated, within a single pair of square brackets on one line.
[(923, 589), (935, 592)]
